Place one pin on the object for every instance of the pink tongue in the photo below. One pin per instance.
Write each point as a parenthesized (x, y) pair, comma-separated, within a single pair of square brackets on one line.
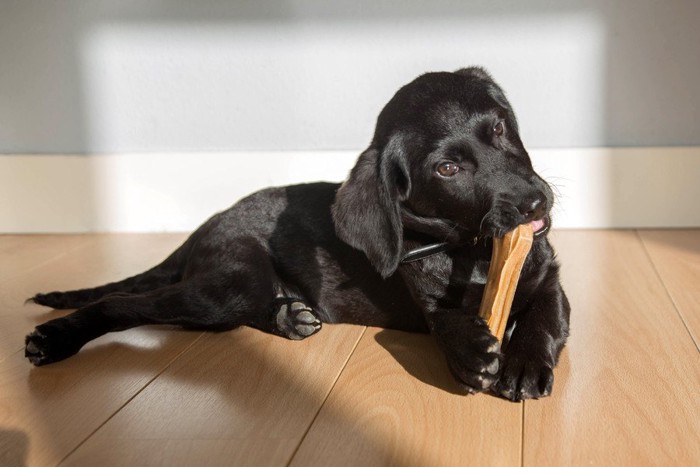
[(537, 225)]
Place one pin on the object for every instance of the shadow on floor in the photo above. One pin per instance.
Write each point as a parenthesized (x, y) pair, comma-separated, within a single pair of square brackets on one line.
[(13, 448), (421, 357)]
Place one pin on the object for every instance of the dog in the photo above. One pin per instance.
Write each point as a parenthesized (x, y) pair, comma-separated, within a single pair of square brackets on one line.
[(404, 243)]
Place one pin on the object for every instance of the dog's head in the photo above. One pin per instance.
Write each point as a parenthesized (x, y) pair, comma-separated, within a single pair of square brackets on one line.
[(447, 157)]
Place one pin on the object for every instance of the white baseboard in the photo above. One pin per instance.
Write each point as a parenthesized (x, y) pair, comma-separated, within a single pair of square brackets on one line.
[(598, 188)]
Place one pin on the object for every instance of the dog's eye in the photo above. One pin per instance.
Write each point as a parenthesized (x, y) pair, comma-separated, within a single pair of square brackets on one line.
[(499, 128), (447, 169)]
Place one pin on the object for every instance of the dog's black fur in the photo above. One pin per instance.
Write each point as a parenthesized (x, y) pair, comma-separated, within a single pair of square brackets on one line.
[(446, 164)]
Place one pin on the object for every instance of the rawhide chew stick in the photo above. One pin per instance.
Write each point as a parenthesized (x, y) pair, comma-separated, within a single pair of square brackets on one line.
[(509, 253)]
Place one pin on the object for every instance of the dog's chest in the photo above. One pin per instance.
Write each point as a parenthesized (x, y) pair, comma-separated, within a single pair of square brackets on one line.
[(479, 273), (442, 272)]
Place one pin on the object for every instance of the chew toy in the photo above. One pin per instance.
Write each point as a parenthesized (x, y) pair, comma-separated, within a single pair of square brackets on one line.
[(509, 253)]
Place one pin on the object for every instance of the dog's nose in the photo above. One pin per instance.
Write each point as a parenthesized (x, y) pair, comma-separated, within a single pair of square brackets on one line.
[(534, 208)]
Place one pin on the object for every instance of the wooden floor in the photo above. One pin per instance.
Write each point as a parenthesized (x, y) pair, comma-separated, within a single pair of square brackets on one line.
[(627, 391)]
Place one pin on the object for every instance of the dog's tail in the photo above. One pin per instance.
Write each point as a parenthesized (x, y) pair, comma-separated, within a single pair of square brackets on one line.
[(166, 273)]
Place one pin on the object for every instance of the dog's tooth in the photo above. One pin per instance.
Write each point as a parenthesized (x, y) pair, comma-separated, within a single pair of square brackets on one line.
[(493, 348), (296, 306), (306, 317)]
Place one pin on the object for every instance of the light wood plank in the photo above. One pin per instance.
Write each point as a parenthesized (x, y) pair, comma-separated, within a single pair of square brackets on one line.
[(85, 261), (20, 254), (676, 256), (397, 404), (46, 412), (58, 406), (237, 398), (626, 391)]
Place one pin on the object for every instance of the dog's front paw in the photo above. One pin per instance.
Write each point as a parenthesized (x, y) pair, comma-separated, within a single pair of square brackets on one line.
[(475, 361), (524, 377), (47, 344), (501, 219)]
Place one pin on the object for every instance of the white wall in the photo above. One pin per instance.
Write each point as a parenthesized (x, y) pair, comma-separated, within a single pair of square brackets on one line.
[(200, 90), (105, 76)]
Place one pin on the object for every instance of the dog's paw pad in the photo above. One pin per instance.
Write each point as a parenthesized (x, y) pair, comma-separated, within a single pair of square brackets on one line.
[(35, 348), (493, 367), (306, 317), (483, 381), (306, 329), (297, 321), (51, 342)]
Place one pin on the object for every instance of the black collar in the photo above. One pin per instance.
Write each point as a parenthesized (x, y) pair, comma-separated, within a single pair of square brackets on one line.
[(425, 251), (433, 227), (449, 233)]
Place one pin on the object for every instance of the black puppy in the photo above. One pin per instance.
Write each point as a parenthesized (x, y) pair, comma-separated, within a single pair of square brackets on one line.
[(445, 170)]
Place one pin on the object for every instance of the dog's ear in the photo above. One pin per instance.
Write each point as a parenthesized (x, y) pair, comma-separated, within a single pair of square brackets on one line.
[(366, 211), (493, 89), (475, 72)]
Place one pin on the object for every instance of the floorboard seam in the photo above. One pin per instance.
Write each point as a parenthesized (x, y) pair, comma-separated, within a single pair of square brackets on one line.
[(668, 293), (128, 401), (325, 399), (522, 434)]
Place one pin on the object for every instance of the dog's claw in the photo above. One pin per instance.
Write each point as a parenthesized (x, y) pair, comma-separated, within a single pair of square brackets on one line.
[(475, 362), (523, 378)]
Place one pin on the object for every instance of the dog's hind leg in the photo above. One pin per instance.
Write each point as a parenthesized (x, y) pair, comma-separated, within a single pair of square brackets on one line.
[(241, 292), (166, 273), (200, 303)]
